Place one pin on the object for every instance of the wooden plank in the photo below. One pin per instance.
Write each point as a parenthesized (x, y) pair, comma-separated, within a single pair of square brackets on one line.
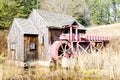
[(30, 47), (55, 33), (49, 36)]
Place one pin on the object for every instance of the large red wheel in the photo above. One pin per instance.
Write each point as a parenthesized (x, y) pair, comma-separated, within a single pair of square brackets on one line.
[(58, 49)]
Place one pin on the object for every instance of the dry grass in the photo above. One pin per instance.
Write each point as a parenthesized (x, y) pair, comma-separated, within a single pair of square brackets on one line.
[(105, 63), (3, 42), (12, 72), (110, 30)]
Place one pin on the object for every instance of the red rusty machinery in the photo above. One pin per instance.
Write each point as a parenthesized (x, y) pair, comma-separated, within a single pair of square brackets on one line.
[(75, 39)]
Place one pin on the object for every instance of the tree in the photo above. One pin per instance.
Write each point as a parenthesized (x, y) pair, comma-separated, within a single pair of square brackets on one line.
[(6, 14), (104, 11), (61, 6), (25, 7), (115, 10), (75, 8), (99, 11), (9, 9)]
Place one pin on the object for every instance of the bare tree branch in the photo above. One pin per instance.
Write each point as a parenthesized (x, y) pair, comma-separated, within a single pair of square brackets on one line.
[(68, 7)]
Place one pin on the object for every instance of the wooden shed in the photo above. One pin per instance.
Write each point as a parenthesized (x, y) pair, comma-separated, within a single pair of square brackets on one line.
[(29, 39)]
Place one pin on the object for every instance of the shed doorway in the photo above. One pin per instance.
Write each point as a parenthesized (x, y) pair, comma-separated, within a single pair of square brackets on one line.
[(30, 48)]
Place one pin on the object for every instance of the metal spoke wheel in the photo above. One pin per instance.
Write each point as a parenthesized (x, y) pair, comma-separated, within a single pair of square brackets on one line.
[(62, 49), (57, 50)]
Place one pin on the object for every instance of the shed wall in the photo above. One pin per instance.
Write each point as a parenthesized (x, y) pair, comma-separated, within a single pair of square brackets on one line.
[(41, 26), (20, 45), (54, 35), (15, 43), (11, 32)]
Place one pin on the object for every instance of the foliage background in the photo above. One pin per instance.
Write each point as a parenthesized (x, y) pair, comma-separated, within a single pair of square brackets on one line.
[(87, 12)]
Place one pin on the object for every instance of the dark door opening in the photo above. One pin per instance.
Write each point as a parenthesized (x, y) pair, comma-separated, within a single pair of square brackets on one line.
[(30, 48)]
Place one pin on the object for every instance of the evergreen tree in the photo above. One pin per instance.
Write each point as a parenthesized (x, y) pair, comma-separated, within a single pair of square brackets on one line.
[(9, 9), (99, 12), (25, 7)]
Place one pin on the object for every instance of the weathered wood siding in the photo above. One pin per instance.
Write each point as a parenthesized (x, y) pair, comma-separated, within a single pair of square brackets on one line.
[(43, 32), (11, 35), (30, 47), (54, 35), (20, 45), (15, 40)]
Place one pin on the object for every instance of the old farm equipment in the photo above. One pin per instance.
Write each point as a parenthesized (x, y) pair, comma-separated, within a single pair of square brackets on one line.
[(74, 40)]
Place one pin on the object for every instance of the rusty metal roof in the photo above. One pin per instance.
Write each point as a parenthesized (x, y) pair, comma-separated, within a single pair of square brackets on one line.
[(26, 26), (56, 20)]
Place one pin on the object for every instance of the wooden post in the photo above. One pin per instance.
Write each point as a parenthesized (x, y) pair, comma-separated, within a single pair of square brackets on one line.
[(71, 38), (76, 35), (91, 47), (70, 33)]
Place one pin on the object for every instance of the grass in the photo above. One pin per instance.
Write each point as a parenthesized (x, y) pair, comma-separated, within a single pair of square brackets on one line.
[(95, 66), (104, 65), (3, 43), (111, 30)]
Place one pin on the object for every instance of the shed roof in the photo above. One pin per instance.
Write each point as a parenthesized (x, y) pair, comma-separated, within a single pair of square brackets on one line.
[(26, 26), (56, 20)]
